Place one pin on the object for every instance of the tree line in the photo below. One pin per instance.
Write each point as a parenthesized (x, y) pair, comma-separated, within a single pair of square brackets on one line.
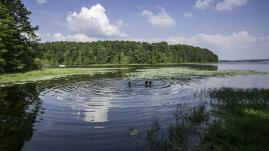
[(20, 48), (120, 52)]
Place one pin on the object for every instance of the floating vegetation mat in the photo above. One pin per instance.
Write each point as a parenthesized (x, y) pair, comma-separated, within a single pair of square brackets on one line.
[(48, 73), (185, 73)]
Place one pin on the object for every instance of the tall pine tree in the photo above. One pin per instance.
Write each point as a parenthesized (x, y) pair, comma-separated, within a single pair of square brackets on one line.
[(17, 37)]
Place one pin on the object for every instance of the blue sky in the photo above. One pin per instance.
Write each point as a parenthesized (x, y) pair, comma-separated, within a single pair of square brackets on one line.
[(234, 29)]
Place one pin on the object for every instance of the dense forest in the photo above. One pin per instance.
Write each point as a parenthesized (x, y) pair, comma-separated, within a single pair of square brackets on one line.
[(120, 52)]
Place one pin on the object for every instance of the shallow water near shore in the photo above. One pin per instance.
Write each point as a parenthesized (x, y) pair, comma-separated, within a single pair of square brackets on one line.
[(97, 112)]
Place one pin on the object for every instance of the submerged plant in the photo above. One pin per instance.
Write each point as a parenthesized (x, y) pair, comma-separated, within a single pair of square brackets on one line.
[(133, 131)]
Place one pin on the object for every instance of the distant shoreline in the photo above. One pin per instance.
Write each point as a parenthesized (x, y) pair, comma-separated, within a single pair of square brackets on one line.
[(247, 60)]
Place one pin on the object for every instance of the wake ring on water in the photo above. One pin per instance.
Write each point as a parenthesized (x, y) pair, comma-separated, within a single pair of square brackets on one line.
[(120, 88), (92, 99)]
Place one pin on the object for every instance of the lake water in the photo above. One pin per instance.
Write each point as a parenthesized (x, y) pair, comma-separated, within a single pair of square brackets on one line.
[(96, 113)]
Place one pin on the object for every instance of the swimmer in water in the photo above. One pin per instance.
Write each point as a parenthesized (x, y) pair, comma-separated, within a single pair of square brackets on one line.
[(148, 83)]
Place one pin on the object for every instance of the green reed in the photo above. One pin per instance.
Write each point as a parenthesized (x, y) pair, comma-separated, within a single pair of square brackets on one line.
[(229, 120)]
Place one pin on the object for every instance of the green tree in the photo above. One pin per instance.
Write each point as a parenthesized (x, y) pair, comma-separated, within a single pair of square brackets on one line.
[(17, 37), (121, 52)]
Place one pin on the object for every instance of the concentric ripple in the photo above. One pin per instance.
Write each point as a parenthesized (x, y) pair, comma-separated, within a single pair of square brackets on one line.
[(98, 112), (115, 93)]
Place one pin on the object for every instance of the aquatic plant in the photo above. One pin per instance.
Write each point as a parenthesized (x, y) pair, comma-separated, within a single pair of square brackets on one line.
[(235, 119), (185, 73), (242, 120), (48, 73), (177, 135), (133, 131)]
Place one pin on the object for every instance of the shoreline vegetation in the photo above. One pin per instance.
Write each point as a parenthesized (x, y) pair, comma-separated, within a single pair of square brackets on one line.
[(158, 73), (47, 74), (119, 52), (237, 120)]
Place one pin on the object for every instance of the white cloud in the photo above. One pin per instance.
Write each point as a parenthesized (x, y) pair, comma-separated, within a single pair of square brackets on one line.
[(203, 4), (239, 45), (41, 1), (80, 38), (161, 19), (93, 21), (60, 37), (187, 14), (220, 5), (230, 4)]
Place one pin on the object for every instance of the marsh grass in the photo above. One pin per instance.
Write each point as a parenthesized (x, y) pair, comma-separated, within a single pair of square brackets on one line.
[(185, 73), (242, 121), (234, 120), (158, 73), (47, 74), (177, 135)]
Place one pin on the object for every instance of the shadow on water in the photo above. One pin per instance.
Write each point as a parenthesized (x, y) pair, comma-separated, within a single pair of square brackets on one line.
[(193, 66), (19, 107)]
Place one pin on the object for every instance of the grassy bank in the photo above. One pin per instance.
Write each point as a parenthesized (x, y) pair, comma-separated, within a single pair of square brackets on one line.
[(47, 74)]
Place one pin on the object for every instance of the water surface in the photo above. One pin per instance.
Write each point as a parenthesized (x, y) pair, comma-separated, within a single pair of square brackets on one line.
[(95, 113)]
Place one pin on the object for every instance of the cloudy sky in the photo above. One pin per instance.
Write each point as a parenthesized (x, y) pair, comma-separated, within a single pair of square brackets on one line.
[(233, 29)]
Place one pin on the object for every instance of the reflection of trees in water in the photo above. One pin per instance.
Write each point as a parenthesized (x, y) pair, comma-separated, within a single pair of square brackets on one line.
[(18, 110), (201, 66)]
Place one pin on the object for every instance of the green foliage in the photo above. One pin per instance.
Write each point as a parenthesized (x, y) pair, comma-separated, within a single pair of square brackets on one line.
[(38, 63), (47, 74), (176, 135), (17, 37), (234, 120), (242, 121), (121, 52), (184, 73)]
